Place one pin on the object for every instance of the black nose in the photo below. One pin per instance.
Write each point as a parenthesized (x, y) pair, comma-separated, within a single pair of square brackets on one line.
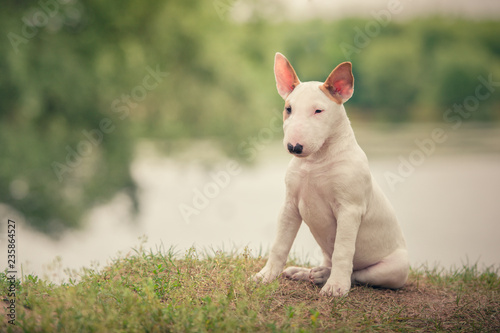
[(295, 150)]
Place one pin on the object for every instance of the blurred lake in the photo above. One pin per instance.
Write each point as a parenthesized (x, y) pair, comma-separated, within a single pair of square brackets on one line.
[(449, 206)]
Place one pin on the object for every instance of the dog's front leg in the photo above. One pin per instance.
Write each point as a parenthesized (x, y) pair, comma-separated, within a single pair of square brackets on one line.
[(288, 226), (339, 282)]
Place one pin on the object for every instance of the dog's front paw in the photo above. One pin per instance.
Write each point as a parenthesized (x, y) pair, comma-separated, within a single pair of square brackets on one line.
[(296, 273), (336, 288), (265, 276), (319, 275), (258, 278)]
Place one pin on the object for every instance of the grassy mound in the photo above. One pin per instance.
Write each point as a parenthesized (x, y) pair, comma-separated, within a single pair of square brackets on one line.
[(161, 292)]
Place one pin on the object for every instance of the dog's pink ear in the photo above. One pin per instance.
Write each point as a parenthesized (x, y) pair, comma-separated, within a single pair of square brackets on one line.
[(339, 86), (286, 79)]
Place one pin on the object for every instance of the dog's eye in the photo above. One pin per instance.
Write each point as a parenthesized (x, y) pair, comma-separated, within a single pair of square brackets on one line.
[(288, 109), (318, 111)]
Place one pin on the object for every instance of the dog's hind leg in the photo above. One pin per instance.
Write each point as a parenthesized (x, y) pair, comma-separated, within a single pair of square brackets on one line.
[(297, 273), (391, 272)]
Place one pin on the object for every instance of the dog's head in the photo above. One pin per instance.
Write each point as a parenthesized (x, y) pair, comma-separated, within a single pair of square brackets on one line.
[(312, 109)]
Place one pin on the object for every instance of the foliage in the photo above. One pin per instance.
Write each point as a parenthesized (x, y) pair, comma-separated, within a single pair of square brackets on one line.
[(77, 90)]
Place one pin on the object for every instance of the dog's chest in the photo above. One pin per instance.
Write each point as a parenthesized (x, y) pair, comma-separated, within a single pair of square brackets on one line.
[(315, 198)]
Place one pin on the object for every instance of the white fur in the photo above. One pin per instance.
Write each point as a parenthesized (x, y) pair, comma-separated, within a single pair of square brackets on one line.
[(329, 186)]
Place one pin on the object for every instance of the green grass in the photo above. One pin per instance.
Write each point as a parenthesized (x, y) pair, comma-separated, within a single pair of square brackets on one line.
[(162, 292)]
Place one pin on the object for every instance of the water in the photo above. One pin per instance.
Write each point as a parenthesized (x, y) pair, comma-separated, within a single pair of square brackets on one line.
[(448, 206)]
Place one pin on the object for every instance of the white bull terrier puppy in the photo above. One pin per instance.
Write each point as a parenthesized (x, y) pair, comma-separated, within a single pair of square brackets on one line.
[(329, 186)]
